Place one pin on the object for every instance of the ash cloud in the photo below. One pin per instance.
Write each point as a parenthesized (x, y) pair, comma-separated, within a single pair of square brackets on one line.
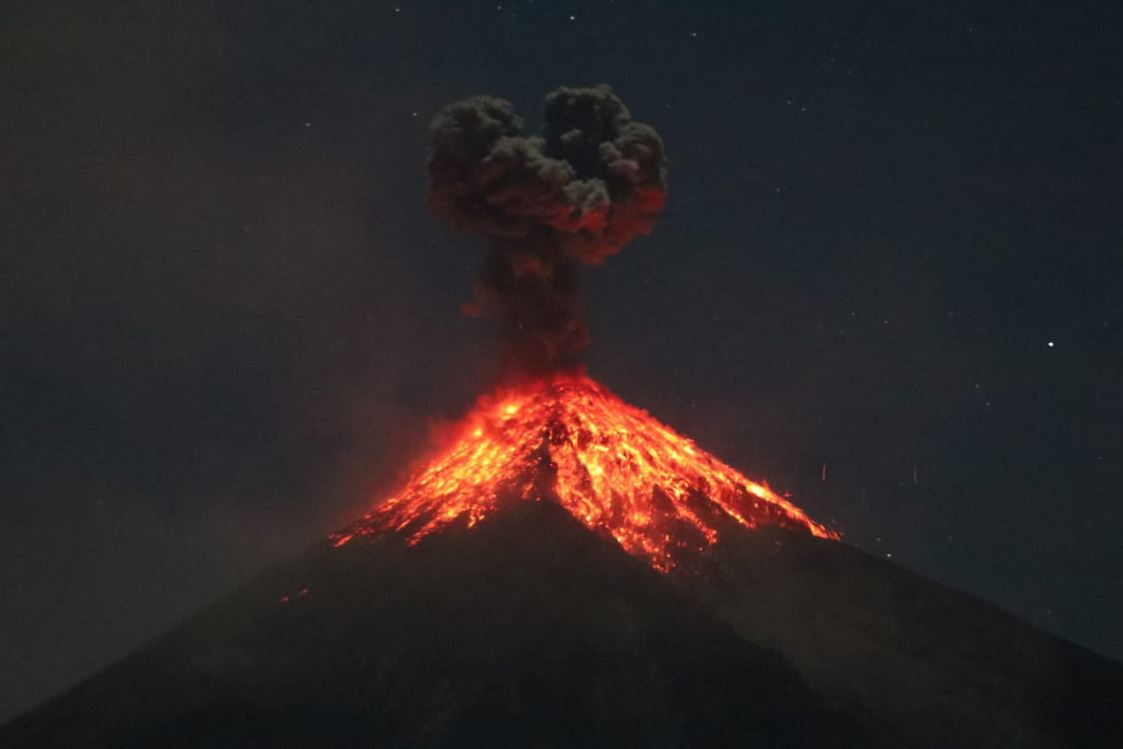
[(583, 189)]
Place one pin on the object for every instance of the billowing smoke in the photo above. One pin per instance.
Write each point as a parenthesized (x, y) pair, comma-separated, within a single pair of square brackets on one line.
[(579, 192)]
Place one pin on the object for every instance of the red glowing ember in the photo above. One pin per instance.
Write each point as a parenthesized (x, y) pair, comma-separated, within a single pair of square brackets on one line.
[(613, 466)]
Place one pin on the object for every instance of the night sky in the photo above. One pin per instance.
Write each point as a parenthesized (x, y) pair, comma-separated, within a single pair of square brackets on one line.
[(887, 280)]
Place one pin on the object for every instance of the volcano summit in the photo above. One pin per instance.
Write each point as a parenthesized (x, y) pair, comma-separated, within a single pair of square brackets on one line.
[(612, 466)]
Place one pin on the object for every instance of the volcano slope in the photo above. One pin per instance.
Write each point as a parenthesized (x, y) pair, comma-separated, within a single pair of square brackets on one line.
[(914, 663), (526, 630), (529, 629)]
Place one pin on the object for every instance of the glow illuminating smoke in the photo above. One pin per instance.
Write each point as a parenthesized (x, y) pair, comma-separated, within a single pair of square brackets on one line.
[(581, 191)]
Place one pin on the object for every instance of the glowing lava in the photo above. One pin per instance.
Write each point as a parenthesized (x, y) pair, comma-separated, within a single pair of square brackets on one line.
[(613, 466)]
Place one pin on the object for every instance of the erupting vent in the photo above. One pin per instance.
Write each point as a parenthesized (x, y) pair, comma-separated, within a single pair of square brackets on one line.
[(614, 467)]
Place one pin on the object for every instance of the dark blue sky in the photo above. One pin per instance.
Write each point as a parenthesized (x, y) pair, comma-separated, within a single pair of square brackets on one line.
[(892, 249)]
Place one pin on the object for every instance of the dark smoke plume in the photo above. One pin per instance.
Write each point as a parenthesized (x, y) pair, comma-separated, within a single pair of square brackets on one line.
[(579, 192)]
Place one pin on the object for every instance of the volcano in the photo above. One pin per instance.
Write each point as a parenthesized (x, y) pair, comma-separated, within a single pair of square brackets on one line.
[(567, 571)]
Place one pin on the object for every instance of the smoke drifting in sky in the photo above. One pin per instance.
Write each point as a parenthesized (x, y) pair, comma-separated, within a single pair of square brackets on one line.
[(579, 192)]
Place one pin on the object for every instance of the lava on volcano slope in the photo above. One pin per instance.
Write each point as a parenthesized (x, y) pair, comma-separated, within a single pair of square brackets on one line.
[(611, 465)]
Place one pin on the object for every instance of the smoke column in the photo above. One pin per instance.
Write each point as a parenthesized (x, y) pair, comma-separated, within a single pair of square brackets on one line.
[(579, 192)]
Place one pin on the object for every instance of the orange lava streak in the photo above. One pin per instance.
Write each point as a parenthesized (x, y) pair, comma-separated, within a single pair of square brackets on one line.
[(613, 466)]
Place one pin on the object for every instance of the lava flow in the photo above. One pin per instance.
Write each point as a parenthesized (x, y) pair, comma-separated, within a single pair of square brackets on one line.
[(611, 465)]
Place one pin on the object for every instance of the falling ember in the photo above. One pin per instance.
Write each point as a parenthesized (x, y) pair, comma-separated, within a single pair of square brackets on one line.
[(611, 465)]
